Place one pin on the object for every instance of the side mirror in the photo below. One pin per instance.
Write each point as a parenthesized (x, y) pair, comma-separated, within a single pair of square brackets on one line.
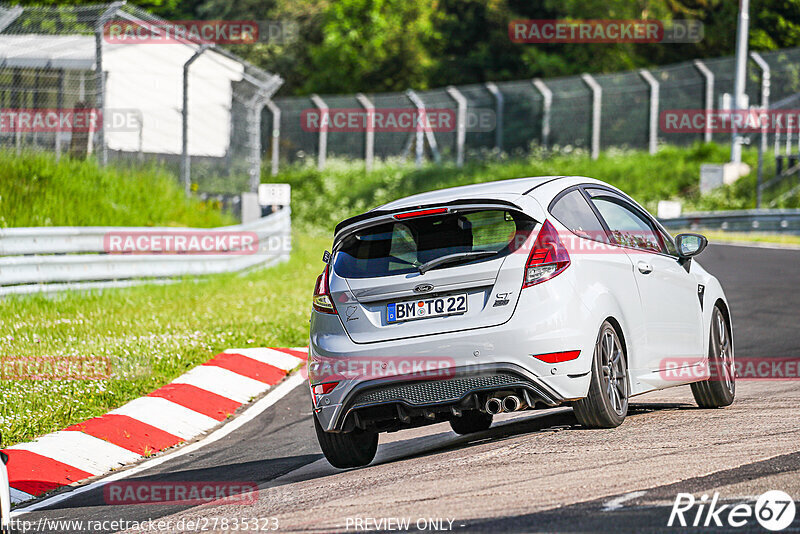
[(690, 245)]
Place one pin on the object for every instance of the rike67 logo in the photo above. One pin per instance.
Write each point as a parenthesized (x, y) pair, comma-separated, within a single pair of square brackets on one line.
[(773, 510)]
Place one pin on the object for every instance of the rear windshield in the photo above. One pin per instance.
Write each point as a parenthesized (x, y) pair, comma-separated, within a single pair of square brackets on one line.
[(399, 247)]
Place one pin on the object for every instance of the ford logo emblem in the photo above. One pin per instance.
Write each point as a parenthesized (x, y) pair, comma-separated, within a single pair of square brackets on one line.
[(423, 288)]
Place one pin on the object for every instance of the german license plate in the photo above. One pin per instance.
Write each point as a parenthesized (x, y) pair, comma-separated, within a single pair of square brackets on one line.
[(425, 308)]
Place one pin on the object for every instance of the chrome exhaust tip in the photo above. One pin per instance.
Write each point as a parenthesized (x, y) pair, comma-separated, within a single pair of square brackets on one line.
[(494, 406), (512, 403)]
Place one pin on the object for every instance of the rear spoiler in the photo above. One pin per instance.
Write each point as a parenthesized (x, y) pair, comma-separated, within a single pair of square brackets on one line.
[(376, 215)]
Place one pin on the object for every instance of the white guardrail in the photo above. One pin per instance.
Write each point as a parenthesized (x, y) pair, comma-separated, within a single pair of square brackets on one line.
[(46, 259)]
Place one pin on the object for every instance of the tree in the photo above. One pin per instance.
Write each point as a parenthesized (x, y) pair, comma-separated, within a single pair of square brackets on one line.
[(373, 45)]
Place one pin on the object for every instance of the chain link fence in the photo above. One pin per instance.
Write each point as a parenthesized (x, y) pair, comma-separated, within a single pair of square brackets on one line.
[(69, 86), (552, 113), (210, 117)]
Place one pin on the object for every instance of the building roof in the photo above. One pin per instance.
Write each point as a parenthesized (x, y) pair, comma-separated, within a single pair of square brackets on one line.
[(68, 52)]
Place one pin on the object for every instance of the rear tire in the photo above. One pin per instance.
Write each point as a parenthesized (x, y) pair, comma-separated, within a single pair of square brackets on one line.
[(470, 422), (720, 389), (347, 449), (607, 403)]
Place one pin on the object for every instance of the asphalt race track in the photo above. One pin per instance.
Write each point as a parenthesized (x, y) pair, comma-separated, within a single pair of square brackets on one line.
[(537, 471)]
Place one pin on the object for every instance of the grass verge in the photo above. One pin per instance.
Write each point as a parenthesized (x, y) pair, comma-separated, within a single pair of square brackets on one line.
[(37, 190), (149, 334)]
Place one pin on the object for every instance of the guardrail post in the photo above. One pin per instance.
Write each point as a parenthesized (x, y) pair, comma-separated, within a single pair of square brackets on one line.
[(186, 172), (597, 102), (654, 100), (461, 123), (765, 83), (323, 130), (369, 136), (547, 105), (709, 96), (276, 134), (499, 100)]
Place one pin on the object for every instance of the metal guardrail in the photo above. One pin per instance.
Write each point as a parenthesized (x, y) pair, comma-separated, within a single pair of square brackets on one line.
[(785, 221), (48, 259)]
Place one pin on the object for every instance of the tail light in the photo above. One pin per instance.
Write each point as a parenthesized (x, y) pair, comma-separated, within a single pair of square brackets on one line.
[(558, 357), (548, 258), (322, 294)]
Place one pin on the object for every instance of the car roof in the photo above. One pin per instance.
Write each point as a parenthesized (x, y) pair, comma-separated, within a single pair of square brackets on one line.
[(501, 189), (513, 187)]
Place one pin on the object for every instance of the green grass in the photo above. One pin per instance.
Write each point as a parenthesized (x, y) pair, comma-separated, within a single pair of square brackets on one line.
[(36, 190), (149, 334), (321, 199)]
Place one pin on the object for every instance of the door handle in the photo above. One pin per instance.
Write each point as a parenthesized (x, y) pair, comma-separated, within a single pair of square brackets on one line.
[(644, 267)]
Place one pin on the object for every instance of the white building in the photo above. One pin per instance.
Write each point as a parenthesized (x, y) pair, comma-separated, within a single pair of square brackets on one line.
[(58, 71)]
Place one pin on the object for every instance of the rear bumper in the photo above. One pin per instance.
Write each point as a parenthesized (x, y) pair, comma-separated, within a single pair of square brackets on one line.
[(548, 318), (460, 390)]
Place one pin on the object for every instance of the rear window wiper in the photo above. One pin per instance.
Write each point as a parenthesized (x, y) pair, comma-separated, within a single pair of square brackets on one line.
[(428, 265)]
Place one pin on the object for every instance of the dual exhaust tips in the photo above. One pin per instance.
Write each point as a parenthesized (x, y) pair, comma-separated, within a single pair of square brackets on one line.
[(511, 403)]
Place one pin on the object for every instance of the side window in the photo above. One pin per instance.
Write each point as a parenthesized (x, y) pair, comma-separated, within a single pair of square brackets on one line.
[(575, 213), (628, 227)]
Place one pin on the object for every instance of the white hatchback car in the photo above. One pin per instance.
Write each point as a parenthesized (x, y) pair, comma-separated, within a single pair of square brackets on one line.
[(459, 304)]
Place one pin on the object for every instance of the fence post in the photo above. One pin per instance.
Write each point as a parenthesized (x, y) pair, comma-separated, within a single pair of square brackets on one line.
[(461, 123), (597, 101), (255, 107), (765, 83), (101, 81), (423, 130), (547, 106), (9, 17), (186, 172), (323, 130), (654, 100), (369, 141), (420, 140), (276, 134), (709, 98), (498, 111)]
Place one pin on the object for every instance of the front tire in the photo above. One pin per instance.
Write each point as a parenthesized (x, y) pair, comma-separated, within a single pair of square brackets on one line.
[(347, 449), (607, 403), (470, 422), (720, 389)]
